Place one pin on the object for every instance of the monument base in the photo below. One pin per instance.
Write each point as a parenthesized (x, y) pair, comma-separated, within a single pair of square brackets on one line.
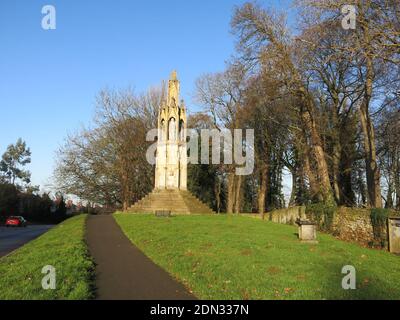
[(179, 202)]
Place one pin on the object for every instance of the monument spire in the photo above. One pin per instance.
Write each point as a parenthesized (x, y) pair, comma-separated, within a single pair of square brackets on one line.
[(173, 90)]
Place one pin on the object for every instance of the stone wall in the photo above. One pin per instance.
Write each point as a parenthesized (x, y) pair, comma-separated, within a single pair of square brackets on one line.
[(284, 216), (349, 224), (287, 215), (353, 224)]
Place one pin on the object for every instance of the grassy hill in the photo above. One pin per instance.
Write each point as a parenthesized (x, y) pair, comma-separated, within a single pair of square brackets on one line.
[(232, 257)]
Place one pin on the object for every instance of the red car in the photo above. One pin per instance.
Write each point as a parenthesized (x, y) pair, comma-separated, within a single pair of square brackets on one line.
[(15, 222)]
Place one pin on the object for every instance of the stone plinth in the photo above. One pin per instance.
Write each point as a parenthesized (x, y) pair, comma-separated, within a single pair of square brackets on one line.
[(163, 214), (307, 231), (394, 234)]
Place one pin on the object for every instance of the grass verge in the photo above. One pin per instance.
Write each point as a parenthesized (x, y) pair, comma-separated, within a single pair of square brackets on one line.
[(233, 257), (63, 248)]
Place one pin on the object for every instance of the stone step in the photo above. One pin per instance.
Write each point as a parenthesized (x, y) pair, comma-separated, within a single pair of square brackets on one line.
[(172, 208), (176, 201)]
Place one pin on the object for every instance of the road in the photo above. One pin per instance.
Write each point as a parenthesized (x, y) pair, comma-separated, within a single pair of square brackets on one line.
[(13, 238)]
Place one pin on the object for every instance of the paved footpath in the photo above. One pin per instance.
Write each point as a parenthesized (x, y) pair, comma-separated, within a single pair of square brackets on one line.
[(123, 272)]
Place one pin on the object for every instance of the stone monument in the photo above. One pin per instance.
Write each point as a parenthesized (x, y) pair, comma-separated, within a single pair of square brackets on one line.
[(170, 191), (171, 160)]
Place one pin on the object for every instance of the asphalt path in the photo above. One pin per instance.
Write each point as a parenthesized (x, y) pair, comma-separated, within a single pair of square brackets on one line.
[(13, 238), (123, 271)]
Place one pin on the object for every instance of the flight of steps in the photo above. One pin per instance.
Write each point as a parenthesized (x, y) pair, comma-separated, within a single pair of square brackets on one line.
[(176, 201)]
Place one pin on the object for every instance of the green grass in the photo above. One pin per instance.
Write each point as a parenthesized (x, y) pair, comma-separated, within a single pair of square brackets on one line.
[(233, 257), (62, 247)]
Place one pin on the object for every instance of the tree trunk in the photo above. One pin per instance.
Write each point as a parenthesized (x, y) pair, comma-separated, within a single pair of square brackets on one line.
[(293, 194), (389, 196), (347, 140), (262, 190), (325, 188), (346, 189), (312, 179), (336, 171), (372, 169), (217, 191), (336, 148), (231, 193), (238, 187), (361, 188), (397, 188)]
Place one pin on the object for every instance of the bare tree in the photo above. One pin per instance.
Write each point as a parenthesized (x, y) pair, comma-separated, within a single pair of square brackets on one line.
[(222, 95), (108, 164), (371, 47), (265, 44)]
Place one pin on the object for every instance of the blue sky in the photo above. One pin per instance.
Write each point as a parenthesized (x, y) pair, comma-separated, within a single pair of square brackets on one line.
[(49, 79)]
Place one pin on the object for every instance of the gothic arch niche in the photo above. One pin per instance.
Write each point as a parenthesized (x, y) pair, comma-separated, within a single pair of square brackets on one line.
[(162, 133), (182, 130), (172, 129)]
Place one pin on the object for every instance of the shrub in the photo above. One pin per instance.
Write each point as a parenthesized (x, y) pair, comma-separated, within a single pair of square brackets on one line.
[(379, 218), (322, 214)]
